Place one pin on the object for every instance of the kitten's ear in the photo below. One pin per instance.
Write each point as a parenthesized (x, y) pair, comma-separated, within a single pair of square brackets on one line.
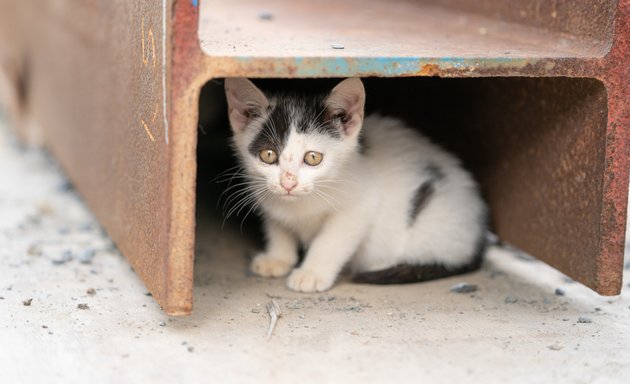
[(245, 102), (347, 101)]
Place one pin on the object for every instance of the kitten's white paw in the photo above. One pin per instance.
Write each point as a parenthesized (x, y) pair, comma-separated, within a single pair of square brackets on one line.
[(307, 280), (269, 266)]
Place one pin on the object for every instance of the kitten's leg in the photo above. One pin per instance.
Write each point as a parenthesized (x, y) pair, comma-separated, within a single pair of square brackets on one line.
[(328, 253), (280, 255)]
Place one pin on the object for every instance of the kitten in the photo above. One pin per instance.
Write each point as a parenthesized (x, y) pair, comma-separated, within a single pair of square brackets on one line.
[(365, 192)]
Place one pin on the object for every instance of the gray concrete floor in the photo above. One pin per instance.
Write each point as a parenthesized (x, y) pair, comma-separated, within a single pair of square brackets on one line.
[(72, 311)]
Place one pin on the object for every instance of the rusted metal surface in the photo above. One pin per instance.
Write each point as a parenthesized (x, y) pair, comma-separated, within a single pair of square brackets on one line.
[(615, 73), (423, 40), (99, 78), (115, 86)]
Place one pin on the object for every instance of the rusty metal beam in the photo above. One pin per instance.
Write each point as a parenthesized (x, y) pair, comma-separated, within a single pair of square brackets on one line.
[(115, 87)]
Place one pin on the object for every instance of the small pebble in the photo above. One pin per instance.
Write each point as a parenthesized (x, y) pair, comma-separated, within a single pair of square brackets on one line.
[(27, 302), (86, 227), (34, 250), (464, 288), (162, 324), (66, 256), (85, 256), (509, 299), (63, 231), (44, 326), (255, 310), (337, 46), (190, 349), (584, 320), (148, 294), (555, 347), (265, 15), (559, 292), (91, 291), (83, 306), (1, 297)]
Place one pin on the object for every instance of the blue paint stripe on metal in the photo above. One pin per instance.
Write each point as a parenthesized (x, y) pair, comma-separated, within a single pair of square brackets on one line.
[(379, 66), (195, 3)]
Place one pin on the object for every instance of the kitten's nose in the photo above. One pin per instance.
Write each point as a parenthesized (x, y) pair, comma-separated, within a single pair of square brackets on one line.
[(288, 181)]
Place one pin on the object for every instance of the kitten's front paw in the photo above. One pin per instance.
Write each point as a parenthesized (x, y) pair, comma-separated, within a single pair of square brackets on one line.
[(307, 280), (269, 266)]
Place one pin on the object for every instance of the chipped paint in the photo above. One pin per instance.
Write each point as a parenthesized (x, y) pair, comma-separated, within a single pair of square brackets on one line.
[(363, 66)]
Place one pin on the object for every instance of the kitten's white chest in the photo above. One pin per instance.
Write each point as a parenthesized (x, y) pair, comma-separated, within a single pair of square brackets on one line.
[(305, 223)]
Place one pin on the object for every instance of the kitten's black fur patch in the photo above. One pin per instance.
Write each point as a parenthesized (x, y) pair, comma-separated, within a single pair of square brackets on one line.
[(416, 273), (424, 192), (307, 112), (273, 134), (409, 273)]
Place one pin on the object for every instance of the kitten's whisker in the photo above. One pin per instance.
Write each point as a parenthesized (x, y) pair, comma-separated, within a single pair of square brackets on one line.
[(254, 207), (237, 168), (321, 195), (239, 194), (248, 184), (241, 203), (330, 187)]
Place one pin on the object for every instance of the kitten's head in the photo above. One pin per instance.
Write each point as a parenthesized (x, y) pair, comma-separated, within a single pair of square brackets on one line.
[(294, 144)]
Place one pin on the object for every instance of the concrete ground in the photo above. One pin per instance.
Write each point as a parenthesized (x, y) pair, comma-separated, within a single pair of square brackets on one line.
[(72, 311)]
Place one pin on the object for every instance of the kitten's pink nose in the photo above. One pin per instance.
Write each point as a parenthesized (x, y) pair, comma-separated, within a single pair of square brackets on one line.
[(288, 181)]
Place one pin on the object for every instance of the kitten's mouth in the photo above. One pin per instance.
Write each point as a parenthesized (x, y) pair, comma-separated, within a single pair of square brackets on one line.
[(290, 196)]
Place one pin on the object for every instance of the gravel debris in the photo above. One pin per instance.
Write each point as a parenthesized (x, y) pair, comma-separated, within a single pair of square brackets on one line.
[(559, 292), (85, 256), (509, 299), (91, 291), (66, 256), (265, 15), (464, 288), (584, 320), (555, 346), (27, 302), (337, 46), (34, 250), (83, 306)]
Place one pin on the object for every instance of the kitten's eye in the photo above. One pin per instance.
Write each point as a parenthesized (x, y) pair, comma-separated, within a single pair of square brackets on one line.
[(268, 156), (313, 158)]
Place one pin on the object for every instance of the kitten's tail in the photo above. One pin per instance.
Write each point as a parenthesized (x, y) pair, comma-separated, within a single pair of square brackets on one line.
[(410, 273)]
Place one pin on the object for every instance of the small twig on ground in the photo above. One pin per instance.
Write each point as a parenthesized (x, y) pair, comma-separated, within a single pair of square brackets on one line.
[(274, 314)]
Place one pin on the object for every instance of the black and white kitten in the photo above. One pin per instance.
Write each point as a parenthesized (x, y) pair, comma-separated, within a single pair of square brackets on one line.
[(365, 192)]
